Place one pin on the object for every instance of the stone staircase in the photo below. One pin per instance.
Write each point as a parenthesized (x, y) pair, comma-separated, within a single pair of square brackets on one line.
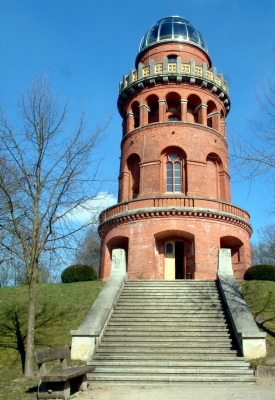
[(168, 331)]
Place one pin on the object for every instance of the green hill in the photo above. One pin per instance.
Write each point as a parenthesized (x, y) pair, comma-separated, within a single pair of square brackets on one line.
[(62, 307), (260, 296)]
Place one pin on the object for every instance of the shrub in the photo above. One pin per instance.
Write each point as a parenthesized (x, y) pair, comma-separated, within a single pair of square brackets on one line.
[(78, 273), (260, 273)]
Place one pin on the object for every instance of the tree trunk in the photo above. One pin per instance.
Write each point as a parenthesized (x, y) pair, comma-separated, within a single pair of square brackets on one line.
[(31, 325)]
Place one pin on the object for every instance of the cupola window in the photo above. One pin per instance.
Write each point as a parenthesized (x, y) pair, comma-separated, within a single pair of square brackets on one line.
[(165, 30)]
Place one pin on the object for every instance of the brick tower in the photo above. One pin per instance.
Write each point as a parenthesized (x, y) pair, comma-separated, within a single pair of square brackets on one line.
[(174, 208)]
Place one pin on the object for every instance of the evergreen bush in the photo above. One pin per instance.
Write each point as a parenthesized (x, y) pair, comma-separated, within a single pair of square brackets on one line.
[(260, 272), (78, 273)]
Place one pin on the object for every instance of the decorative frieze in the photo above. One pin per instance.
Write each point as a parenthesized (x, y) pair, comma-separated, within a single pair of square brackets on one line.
[(167, 72)]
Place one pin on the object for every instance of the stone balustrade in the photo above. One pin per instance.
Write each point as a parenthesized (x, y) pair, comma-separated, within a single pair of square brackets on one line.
[(163, 206)]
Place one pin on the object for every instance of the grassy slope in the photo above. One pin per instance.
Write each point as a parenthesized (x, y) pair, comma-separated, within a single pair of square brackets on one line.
[(260, 296), (61, 307)]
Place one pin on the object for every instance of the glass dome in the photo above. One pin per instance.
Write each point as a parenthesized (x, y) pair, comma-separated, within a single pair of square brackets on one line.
[(175, 29)]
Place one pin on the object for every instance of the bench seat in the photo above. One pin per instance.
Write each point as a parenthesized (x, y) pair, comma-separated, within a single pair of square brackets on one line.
[(59, 384), (65, 374)]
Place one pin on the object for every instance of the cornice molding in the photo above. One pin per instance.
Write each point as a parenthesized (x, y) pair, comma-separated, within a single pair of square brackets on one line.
[(170, 212)]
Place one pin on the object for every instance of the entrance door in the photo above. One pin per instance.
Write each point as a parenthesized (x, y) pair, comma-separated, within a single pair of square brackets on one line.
[(174, 260), (179, 260)]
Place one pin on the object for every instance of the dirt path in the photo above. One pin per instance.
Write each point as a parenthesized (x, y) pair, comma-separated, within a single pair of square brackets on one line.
[(262, 390)]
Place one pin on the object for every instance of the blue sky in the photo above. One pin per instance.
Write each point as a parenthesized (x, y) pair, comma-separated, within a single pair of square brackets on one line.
[(86, 46)]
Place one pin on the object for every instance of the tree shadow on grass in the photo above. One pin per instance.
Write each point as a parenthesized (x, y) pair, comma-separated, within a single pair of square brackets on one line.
[(239, 307), (261, 323), (32, 389), (13, 328), (12, 333)]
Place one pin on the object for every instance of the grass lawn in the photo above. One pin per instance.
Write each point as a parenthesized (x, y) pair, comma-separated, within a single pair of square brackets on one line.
[(62, 307), (260, 296)]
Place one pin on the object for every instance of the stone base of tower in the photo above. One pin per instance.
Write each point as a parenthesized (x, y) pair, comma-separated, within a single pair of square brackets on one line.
[(175, 242)]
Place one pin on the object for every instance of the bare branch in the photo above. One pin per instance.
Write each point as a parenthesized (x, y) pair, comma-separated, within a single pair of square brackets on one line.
[(45, 176)]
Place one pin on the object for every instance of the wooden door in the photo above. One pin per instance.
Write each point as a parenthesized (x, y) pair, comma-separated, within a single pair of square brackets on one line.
[(169, 264)]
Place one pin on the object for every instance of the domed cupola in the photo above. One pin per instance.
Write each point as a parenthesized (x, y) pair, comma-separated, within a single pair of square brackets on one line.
[(173, 29), (176, 29)]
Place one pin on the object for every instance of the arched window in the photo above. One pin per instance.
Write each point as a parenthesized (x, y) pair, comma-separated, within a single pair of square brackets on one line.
[(215, 177), (133, 163), (173, 174)]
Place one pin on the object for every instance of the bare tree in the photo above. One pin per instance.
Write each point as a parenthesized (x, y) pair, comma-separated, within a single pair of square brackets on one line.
[(263, 252), (255, 157), (88, 252), (46, 175)]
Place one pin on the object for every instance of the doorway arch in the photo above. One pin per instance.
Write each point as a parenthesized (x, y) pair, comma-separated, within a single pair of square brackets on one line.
[(177, 249)]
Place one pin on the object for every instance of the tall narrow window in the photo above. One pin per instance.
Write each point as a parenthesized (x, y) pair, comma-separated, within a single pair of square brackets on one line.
[(173, 174)]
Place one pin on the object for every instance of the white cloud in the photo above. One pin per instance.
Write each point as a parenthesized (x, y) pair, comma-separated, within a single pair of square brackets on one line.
[(90, 210)]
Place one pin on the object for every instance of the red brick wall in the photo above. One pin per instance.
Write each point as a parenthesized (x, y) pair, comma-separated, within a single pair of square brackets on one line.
[(185, 51), (144, 254), (195, 141)]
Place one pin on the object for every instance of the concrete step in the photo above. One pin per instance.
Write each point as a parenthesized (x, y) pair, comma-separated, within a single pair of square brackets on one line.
[(178, 321), (198, 345), (171, 307), (170, 314), (171, 363), (170, 288), (117, 330), (169, 304), (166, 338), (168, 298), (188, 358), (181, 351), (145, 379), (169, 370), (152, 301), (169, 321), (163, 332), (170, 292), (162, 335), (178, 282), (183, 383), (187, 312)]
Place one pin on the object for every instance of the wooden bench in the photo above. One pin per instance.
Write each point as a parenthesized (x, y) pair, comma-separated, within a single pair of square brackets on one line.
[(58, 384)]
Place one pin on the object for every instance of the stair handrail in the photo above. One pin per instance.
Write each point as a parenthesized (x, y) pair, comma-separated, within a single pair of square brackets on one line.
[(250, 339), (86, 338)]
